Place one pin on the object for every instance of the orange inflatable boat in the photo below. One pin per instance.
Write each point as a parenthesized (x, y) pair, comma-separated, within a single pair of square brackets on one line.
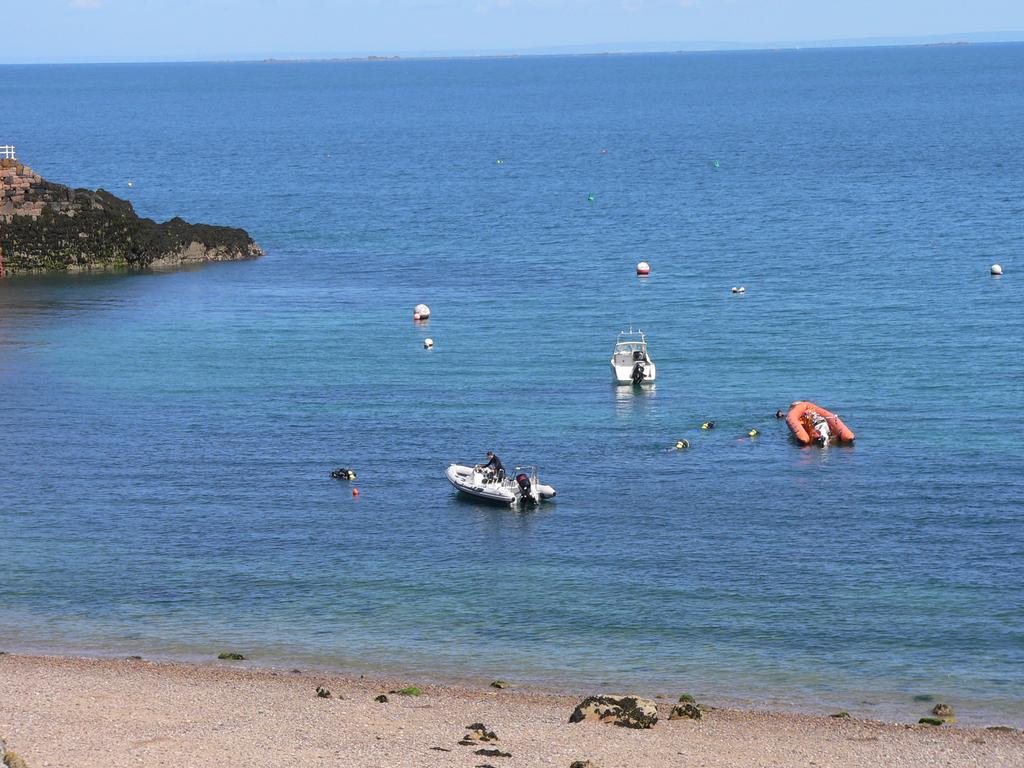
[(812, 424)]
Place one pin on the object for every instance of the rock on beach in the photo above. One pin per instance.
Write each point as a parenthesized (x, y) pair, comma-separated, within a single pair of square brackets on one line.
[(625, 711)]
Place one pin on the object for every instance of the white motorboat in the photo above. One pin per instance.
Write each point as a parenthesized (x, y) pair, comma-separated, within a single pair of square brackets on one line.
[(483, 483), (630, 362)]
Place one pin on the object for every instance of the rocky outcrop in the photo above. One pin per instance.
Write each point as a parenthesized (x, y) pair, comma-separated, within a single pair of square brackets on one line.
[(627, 711), (47, 226)]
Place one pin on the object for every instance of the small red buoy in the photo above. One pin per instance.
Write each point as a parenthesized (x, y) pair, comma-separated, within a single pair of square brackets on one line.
[(643, 269), (355, 491)]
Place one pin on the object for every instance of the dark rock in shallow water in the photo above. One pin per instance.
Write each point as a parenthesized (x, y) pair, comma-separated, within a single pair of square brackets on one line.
[(230, 656), (931, 721), (47, 226), (943, 710)]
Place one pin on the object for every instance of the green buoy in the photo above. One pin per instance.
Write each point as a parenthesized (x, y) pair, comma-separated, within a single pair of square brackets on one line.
[(590, 197)]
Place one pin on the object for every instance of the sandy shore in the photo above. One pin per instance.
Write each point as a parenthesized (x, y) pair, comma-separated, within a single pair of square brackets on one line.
[(87, 713)]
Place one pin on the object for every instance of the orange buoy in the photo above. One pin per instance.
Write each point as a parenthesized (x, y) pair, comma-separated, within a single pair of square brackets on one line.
[(802, 418), (643, 269), (355, 491)]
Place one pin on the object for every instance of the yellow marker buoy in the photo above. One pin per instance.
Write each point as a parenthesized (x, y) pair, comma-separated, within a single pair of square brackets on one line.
[(682, 444), (753, 433), (708, 425)]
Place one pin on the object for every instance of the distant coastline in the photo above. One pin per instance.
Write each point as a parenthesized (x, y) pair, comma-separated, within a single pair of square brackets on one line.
[(595, 49), (680, 51)]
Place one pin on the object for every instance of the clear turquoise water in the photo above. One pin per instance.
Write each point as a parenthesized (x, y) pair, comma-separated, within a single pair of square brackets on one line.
[(167, 438)]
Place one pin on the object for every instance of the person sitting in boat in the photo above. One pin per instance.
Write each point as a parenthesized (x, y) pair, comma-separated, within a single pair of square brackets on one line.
[(494, 464), (819, 426)]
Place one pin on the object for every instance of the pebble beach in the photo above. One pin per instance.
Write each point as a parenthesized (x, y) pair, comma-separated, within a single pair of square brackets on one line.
[(91, 713)]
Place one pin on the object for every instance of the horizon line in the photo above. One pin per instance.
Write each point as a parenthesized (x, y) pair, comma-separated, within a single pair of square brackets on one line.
[(582, 49)]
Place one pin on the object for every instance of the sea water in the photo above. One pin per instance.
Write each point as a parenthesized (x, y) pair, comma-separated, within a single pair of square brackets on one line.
[(167, 438)]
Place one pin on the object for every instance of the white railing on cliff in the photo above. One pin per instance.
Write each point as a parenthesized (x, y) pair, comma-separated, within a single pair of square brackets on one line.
[(7, 152)]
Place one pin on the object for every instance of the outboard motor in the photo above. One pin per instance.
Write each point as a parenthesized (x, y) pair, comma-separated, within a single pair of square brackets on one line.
[(525, 487), (639, 373)]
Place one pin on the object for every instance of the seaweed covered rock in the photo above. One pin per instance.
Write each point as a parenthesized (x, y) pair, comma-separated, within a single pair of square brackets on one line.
[(10, 759), (685, 710), (47, 226), (479, 732), (626, 711)]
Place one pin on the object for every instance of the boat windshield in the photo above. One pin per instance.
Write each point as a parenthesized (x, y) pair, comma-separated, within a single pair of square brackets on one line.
[(631, 346)]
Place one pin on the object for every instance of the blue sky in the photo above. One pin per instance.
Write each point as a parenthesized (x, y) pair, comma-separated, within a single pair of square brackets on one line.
[(148, 30)]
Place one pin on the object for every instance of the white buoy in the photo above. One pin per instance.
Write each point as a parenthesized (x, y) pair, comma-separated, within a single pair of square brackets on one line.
[(428, 343), (131, 184), (741, 289), (643, 269), (735, 289), (997, 270), (423, 311)]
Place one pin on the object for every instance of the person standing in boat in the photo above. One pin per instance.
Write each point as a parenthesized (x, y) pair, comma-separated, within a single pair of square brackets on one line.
[(494, 463)]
